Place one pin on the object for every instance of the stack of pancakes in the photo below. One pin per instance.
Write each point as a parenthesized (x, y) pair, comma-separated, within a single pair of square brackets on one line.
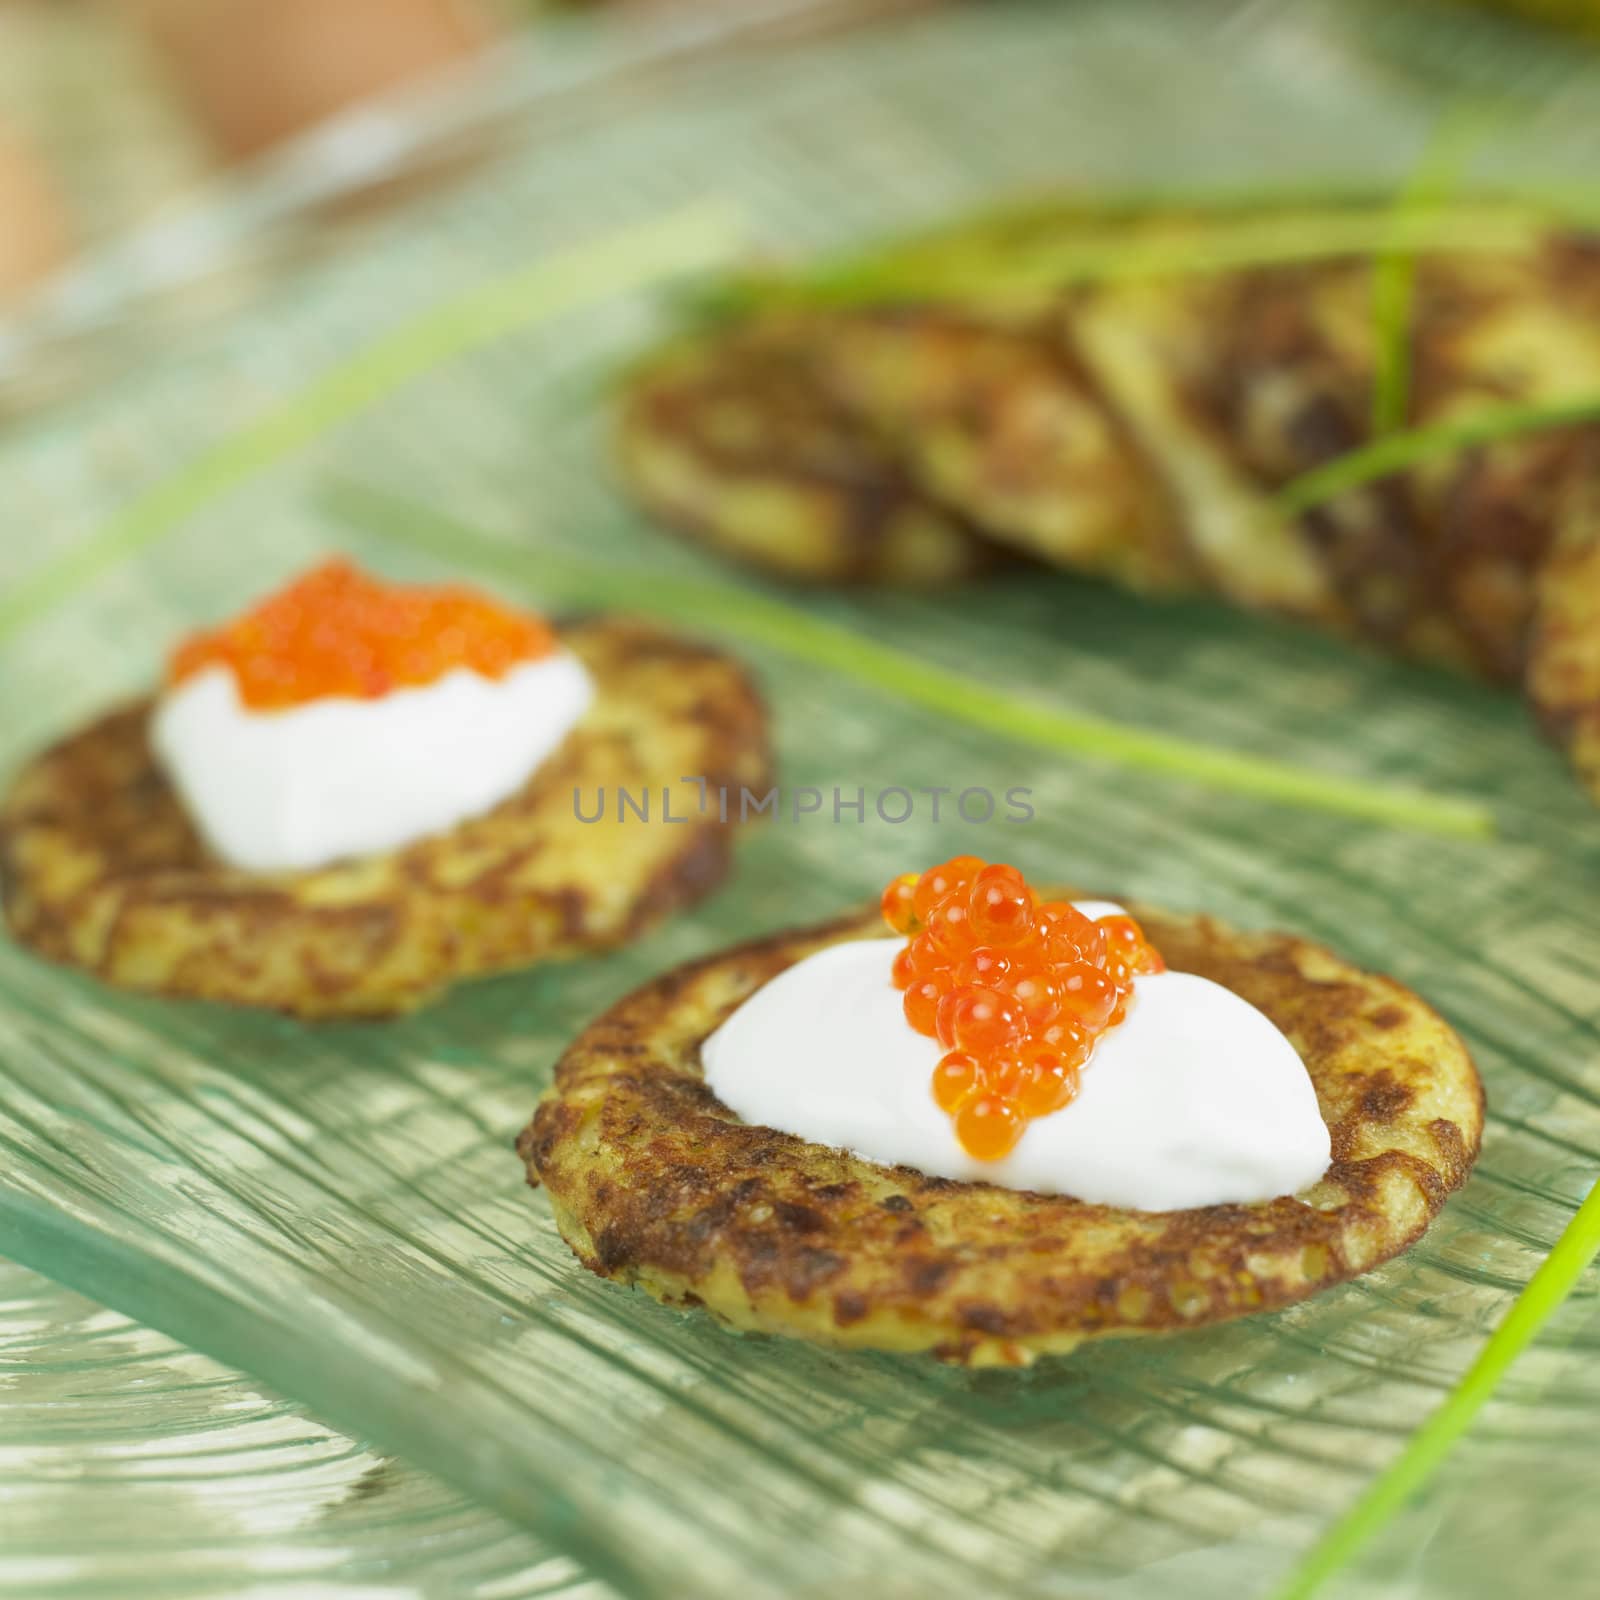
[(1140, 419)]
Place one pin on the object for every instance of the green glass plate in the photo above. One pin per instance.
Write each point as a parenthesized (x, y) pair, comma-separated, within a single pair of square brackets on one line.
[(337, 1211), (137, 1468)]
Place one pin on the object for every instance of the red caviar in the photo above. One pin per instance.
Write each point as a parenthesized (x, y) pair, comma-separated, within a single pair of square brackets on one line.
[(1017, 991), (337, 632)]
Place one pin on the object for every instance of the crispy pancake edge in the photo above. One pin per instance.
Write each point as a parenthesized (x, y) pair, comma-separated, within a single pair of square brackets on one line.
[(101, 869), (653, 1182)]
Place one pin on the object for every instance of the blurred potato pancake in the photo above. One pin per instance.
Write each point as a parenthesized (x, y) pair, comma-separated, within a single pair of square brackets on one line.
[(101, 868), (1001, 421), (1138, 423), (655, 1183), (734, 444), (1237, 384)]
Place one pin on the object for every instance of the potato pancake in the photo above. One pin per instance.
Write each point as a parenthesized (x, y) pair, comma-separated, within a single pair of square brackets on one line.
[(1140, 424), (653, 1182), (732, 443), (102, 869)]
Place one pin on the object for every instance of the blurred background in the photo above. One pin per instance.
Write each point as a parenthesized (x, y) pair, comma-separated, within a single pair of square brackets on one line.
[(161, 159)]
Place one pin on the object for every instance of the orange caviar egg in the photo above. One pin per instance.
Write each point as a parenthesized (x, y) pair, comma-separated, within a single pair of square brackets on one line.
[(988, 1126), (980, 1020), (1126, 947), (1088, 993), (904, 970), (1038, 995), (1017, 992), (985, 965), (1047, 1081), (925, 957), (1037, 1081), (335, 631), (896, 904), (922, 1005), (1000, 906), (945, 927), (941, 882), (956, 1079)]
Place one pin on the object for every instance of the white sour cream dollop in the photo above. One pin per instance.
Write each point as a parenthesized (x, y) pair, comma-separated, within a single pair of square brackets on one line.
[(297, 788), (1195, 1099)]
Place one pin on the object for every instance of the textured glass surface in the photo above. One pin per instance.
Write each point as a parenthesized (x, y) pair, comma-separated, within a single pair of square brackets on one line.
[(337, 1211), (134, 1467)]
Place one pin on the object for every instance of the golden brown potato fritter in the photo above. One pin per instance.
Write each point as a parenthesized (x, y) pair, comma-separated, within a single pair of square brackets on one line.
[(1143, 425), (735, 445), (655, 1183), (101, 868)]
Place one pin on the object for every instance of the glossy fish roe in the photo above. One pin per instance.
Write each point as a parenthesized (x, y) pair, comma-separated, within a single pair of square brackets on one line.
[(335, 631), (1017, 991)]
